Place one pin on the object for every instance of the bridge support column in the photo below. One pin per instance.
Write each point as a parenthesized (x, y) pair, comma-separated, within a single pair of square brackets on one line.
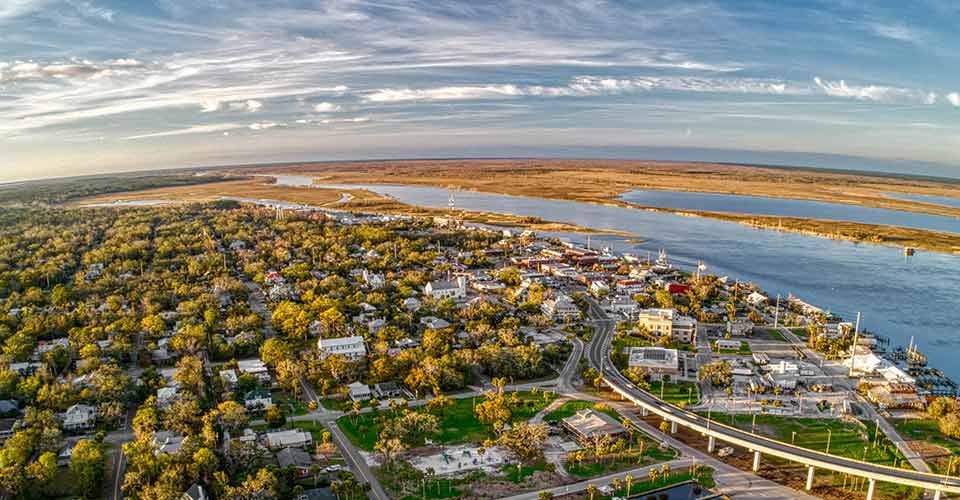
[(870, 487), (711, 444), (810, 470), (756, 461), (936, 495), (673, 427), (643, 412)]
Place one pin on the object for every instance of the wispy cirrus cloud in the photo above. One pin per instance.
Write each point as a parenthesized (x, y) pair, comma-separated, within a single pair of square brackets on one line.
[(877, 93), (954, 98), (196, 129)]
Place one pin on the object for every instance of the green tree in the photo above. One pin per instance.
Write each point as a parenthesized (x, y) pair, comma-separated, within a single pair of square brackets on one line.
[(86, 467)]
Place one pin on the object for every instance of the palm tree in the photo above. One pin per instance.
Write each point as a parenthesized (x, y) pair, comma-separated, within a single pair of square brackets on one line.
[(592, 491), (629, 479), (654, 474), (617, 484), (545, 495)]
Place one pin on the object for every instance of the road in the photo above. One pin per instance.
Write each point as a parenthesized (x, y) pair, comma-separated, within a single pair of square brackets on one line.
[(598, 356), (356, 461), (640, 474)]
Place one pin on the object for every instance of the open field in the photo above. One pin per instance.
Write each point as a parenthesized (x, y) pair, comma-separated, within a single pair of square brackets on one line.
[(359, 200), (603, 181), (939, 451), (458, 424)]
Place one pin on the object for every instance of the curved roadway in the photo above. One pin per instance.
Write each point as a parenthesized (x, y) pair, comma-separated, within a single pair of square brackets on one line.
[(598, 354)]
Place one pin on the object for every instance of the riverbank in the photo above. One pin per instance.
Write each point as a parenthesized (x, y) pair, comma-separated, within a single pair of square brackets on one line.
[(604, 182), (359, 200)]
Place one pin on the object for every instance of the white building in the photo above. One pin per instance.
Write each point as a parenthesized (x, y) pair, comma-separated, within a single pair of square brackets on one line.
[(256, 368), (79, 417), (439, 290), (373, 280), (756, 299), (349, 347), (669, 323), (291, 438), (561, 307), (434, 323), (663, 363), (360, 391)]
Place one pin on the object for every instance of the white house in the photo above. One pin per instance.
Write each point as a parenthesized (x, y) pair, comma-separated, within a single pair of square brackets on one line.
[(359, 391), (599, 288), (256, 368), (79, 417), (373, 280), (757, 298), (561, 307), (411, 304), (291, 438), (349, 347), (439, 290), (258, 399), (434, 323), (668, 323)]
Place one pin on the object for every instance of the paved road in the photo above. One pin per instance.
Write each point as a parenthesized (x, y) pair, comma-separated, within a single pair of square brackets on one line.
[(639, 474), (598, 355), (356, 462)]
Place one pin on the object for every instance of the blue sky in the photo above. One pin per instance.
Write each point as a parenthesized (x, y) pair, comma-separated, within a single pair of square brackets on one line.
[(96, 85)]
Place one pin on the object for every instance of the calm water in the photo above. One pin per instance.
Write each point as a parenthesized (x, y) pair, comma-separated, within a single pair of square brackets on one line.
[(927, 198), (898, 296), (762, 205)]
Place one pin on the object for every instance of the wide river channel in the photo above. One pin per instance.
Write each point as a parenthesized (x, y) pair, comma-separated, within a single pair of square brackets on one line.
[(899, 296)]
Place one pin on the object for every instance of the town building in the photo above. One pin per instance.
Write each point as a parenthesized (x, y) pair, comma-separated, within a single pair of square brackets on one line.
[(351, 347), (668, 323), (359, 391), (561, 307), (290, 438), (587, 423), (662, 363), (257, 399), (447, 289), (254, 367)]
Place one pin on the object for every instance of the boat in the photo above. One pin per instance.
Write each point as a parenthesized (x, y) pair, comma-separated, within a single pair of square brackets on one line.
[(909, 251)]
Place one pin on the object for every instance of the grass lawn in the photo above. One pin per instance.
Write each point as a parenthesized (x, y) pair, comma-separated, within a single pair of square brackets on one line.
[(776, 335), (627, 460), (516, 476), (680, 393), (403, 481), (846, 439), (291, 406), (458, 424), (928, 431), (570, 407), (800, 331), (642, 485), (336, 404)]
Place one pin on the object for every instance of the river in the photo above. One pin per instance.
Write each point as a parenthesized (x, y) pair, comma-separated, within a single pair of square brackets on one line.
[(762, 205), (899, 296)]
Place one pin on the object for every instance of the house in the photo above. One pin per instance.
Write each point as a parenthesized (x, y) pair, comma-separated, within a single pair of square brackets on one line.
[(586, 424), (387, 390), (622, 304), (229, 378), (668, 323), (24, 369), (166, 395), (560, 308), (447, 289), (296, 458), (79, 417), (359, 391), (351, 347), (375, 325), (290, 438), (599, 288), (373, 280), (257, 399), (9, 407), (677, 288), (411, 304), (195, 492), (434, 323), (167, 442), (757, 299), (255, 367)]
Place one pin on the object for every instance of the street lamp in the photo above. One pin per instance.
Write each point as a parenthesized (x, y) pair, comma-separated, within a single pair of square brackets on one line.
[(829, 435), (793, 437)]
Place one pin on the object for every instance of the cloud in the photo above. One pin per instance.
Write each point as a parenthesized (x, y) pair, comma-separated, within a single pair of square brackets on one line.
[(263, 125), (586, 86), (896, 32), (954, 98), (10, 9), (326, 107), (89, 10), (250, 106), (878, 93), (196, 129), (74, 69)]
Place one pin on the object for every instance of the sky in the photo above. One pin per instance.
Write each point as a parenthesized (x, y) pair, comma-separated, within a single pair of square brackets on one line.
[(90, 86)]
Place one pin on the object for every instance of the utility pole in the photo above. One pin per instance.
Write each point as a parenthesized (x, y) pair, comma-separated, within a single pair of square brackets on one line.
[(776, 314), (829, 435), (853, 348)]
